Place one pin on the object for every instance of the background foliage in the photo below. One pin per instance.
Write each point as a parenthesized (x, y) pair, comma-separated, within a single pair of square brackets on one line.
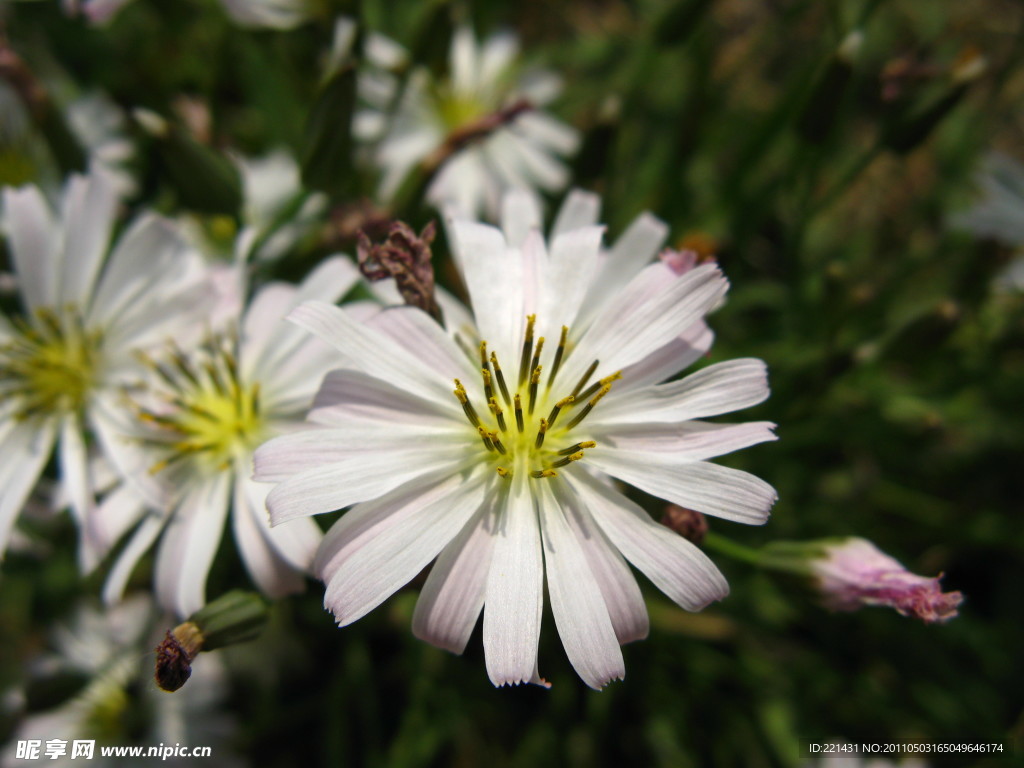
[(897, 368)]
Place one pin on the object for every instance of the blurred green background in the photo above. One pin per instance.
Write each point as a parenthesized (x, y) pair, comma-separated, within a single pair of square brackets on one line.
[(825, 183)]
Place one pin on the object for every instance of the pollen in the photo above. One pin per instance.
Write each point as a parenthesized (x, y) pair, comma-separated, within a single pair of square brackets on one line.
[(526, 442)]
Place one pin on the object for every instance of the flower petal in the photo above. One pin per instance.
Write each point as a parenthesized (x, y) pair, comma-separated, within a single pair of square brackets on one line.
[(89, 206), (580, 209), (26, 449), (515, 589), (710, 488), (421, 337), (719, 388), (386, 561), (139, 543), (453, 596), (33, 239), (520, 213), (665, 362), (189, 543), (686, 441), (673, 564), (272, 575), (576, 601)]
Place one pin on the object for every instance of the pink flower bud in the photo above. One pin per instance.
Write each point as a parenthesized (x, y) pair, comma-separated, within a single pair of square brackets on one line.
[(854, 573)]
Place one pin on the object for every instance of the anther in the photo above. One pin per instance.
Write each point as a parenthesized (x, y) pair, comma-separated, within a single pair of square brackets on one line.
[(501, 379), (538, 473), (589, 406), (565, 401), (504, 472), (497, 443), (499, 415), (485, 436), (568, 459), (601, 383), (488, 389), (585, 378), (460, 393), (519, 413), (585, 445), (483, 354), (524, 360), (534, 380), (536, 354), (558, 355), (541, 432)]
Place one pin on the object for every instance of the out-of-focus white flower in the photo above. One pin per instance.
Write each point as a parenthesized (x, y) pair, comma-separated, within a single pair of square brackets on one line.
[(999, 212), (205, 412), (99, 125), (853, 572), (556, 374), (497, 136), (64, 364), (109, 648), (272, 14)]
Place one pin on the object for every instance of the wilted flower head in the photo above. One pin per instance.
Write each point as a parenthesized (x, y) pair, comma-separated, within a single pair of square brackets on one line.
[(487, 443), (853, 572), (481, 128), (406, 257)]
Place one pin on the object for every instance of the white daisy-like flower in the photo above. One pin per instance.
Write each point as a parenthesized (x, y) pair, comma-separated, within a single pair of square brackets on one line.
[(203, 415), (489, 446), (64, 363), (499, 138)]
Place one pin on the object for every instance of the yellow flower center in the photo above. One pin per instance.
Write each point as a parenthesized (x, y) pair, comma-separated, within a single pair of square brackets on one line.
[(212, 415), (534, 428), (50, 366), (459, 109)]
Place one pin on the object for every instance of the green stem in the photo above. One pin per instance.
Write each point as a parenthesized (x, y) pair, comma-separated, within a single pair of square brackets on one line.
[(730, 548)]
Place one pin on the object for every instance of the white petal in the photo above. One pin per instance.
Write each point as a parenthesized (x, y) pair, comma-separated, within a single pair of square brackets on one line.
[(386, 561), (189, 544), (421, 337), (576, 601), (33, 237), (645, 316), (665, 362), (621, 593), (520, 213), (89, 206), (356, 478), (546, 131), (464, 64), (631, 253), (673, 564), (515, 590), (148, 256), (358, 395), (686, 441), (719, 388), (371, 351), (496, 56), (26, 449), (493, 277), (114, 515), (710, 488), (580, 209), (77, 483), (272, 575), (139, 543), (572, 263), (111, 424), (453, 596), (295, 542)]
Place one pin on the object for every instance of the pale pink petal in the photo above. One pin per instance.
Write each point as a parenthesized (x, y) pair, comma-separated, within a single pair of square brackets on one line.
[(272, 575), (709, 488), (686, 441), (346, 394), (515, 589), (679, 354), (576, 601), (565, 283), (453, 596), (421, 337), (676, 566), (385, 562), (520, 213), (580, 209)]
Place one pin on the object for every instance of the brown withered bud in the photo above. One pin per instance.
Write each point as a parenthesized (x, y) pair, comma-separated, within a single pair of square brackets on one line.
[(406, 257), (175, 654), (347, 219), (687, 523)]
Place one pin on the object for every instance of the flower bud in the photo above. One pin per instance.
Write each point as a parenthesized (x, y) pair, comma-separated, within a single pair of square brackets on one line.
[(405, 257), (688, 523)]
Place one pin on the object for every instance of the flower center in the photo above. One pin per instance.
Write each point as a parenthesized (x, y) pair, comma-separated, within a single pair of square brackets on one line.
[(49, 366), (533, 429), (207, 413), (459, 109)]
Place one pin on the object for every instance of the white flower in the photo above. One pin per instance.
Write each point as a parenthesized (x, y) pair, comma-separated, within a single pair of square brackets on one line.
[(556, 387), (272, 14), (64, 364), (999, 213), (519, 145), (205, 412), (100, 126)]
